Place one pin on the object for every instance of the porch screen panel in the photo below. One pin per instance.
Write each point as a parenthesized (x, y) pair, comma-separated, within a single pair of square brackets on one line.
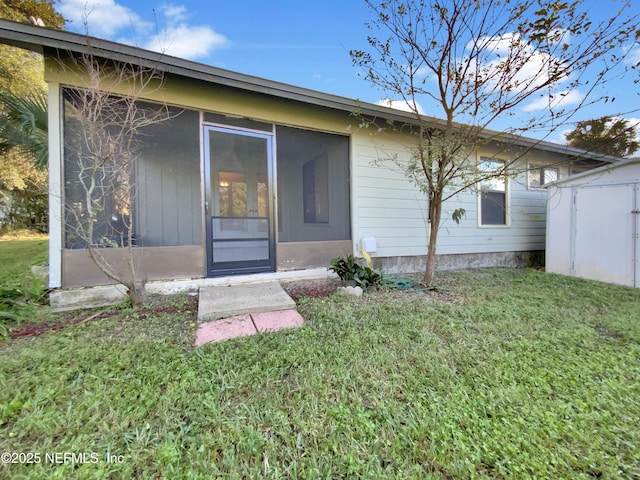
[(164, 178), (169, 211), (313, 186)]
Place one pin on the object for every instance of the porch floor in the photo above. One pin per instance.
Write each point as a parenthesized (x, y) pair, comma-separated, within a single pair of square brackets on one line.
[(226, 312)]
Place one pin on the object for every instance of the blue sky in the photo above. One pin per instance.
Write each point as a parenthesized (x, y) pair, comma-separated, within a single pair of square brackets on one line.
[(299, 42)]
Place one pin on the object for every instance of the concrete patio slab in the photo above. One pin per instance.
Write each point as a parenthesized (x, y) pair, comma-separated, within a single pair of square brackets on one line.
[(228, 301), (238, 326), (274, 321)]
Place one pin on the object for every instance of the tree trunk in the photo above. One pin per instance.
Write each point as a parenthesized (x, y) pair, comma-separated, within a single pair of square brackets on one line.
[(137, 293), (435, 210)]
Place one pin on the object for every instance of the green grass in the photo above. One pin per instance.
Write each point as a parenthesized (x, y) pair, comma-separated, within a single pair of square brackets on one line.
[(510, 374), (17, 256), (20, 291)]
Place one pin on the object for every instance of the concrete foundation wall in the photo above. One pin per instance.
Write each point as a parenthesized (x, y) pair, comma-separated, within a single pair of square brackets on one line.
[(399, 265)]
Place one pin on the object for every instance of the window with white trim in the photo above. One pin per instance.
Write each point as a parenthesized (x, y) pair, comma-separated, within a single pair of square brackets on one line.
[(493, 194), (537, 177)]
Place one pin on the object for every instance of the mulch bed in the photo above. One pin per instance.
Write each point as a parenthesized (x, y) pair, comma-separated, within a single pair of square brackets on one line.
[(158, 307), (310, 288), (295, 289)]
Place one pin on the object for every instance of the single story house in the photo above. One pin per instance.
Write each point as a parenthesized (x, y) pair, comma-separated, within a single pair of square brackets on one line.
[(254, 175), (593, 224)]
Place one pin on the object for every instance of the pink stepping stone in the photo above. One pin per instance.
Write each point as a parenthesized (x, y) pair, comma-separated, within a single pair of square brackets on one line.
[(248, 324), (239, 326), (273, 321)]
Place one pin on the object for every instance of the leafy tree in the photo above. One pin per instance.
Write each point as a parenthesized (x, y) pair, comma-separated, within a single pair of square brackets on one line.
[(23, 150), (22, 87), (615, 137), (478, 62), (23, 126), (21, 10), (21, 71)]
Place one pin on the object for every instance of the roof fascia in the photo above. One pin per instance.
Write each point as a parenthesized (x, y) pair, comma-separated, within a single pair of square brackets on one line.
[(41, 40)]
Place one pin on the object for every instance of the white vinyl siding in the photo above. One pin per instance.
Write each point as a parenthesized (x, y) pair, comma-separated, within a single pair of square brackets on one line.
[(391, 209), (385, 204)]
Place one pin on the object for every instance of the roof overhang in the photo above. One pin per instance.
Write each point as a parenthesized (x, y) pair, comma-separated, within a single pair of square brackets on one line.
[(595, 171), (43, 40)]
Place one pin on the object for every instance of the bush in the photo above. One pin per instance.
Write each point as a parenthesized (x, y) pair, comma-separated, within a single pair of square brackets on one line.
[(348, 269), (28, 209)]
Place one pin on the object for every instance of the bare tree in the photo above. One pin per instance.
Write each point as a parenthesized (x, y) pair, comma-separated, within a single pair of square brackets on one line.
[(480, 62), (104, 136)]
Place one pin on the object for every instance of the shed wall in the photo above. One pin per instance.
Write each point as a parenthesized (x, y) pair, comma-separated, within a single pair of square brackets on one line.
[(593, 225)]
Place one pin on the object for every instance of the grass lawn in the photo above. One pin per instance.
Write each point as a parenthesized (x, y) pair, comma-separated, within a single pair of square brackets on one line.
[(18, 254), (509, 374)]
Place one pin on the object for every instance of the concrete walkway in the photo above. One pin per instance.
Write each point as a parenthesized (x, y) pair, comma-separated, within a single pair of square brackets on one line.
[(226, 312)]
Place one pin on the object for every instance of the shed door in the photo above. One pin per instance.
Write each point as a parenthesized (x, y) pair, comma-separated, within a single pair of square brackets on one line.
[(605, 243), (239, 210)]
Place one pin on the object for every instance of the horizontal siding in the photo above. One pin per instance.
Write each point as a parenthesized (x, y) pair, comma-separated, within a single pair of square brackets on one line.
[(387, 206)]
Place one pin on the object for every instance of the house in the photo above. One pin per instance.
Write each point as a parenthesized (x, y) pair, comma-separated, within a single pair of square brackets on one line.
[(593, 224), (252, 175)]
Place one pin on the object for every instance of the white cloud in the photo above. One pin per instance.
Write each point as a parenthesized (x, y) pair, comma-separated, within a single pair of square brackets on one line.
[(400, 105), (635, 122), (103, 18), (108, 19), (528, 68), (556, 100), (176, 13), (186, 41), (633, 57)]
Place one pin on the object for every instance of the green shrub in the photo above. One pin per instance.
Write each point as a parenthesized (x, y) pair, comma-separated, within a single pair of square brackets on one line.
[(348, 269), (28, 209)]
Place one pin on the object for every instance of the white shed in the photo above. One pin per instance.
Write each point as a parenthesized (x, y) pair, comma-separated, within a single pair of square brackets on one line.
[(593, 224)]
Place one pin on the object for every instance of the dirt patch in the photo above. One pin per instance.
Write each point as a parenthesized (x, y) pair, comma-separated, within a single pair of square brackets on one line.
[(159, 306), (325, 287), (310, 288), (418, 293), (162, 308), (35, 329)]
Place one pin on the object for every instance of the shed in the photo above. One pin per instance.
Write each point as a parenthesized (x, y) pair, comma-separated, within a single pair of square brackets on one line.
[(593, 224)]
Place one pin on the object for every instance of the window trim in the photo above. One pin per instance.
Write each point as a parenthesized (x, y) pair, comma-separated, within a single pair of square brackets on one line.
[(540, 167), (507, 194)]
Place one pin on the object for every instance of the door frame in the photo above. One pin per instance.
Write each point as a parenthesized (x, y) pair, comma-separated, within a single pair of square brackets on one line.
[(237, 267)]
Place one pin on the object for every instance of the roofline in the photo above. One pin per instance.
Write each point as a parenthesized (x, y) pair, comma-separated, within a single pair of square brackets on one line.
[(39, 39), (595, 171)]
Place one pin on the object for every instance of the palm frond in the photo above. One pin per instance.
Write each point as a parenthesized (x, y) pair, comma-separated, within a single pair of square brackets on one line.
[(23, 125)]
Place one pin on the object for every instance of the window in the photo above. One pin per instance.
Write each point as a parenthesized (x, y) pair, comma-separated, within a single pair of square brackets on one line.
[(539, 176), (493, 194)]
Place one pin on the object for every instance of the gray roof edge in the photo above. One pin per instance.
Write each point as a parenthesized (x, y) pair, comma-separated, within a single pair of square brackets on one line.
[(595, 171), (36, 38)]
